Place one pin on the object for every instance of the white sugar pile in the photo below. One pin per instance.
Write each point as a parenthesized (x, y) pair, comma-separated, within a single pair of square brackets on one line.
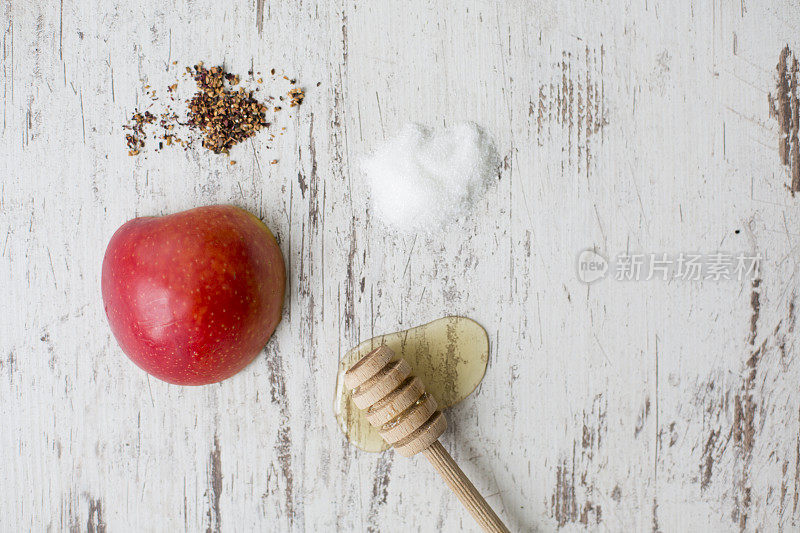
[(422, 178)]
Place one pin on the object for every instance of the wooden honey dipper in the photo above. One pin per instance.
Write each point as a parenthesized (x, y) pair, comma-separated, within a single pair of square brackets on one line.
[(407, 418)]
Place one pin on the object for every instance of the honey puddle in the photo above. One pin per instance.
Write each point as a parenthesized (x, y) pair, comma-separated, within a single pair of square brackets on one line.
[(449, 355)]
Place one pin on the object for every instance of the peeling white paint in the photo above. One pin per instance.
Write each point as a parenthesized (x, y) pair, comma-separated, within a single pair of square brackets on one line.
[(641, 127)]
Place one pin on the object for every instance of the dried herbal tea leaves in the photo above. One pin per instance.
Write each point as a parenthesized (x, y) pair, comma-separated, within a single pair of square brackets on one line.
[(297, 95), (223, 115), (135, 139)]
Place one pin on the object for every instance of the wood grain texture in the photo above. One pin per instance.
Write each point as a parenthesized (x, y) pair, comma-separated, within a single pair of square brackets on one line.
[(463, 488), (642, 126)]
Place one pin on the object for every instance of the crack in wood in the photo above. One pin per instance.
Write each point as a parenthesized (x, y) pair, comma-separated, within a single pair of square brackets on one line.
[(785, 109), (745, 407), (380, 491), (260, 16), (95, 522), (215, 488), (573, 498), (575, 101), (283, 443), (707, 460)]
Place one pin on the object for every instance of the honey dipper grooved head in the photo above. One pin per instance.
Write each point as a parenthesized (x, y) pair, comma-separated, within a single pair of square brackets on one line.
[(396, 402)]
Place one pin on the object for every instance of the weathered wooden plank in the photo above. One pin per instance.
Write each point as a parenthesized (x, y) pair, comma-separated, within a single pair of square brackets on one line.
[(641, 127)]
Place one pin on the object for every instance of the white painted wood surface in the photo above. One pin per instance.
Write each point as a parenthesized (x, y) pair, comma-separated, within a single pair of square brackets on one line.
[(638, 126)]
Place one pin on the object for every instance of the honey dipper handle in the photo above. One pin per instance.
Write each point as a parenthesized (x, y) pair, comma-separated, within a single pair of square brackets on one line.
[(463, 488)]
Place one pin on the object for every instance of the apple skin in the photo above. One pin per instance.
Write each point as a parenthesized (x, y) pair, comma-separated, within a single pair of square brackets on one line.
[(194, 296)]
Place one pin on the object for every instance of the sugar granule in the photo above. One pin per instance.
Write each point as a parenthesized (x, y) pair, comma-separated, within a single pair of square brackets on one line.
[(423, 178)]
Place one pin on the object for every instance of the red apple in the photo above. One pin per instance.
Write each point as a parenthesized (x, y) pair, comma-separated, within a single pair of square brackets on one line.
[(193, 297)]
